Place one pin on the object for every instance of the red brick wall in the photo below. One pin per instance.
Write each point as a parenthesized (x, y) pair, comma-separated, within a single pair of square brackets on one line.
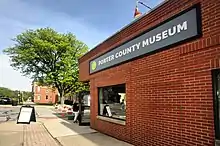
[(168, 94), (45, 91)]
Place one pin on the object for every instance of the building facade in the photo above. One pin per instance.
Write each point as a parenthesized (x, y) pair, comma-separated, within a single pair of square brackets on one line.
[(44, 94), (157, 81)]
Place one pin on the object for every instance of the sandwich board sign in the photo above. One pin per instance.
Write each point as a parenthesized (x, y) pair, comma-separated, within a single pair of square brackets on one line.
[(26, 115)]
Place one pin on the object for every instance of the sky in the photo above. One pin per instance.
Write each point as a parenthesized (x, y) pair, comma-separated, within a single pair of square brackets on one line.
[(91, 21)]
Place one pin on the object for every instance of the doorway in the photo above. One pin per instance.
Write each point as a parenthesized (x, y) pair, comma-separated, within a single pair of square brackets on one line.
[(84, 108), (216, 101)]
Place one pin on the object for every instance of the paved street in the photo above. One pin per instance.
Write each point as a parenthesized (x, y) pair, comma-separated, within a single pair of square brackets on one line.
[(8, 113)]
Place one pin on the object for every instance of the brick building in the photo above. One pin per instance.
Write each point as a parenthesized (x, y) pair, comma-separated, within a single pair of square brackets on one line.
[(157, 81), (44, 94)]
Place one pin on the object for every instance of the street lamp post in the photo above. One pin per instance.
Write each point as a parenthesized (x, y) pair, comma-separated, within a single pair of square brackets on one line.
[(18, 96), (144, 5)]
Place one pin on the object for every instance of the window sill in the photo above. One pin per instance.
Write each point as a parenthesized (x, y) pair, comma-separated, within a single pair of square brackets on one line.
[(120, 122), (217, 142)]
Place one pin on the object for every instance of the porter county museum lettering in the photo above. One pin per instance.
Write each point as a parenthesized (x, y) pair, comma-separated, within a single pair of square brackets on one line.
[(175, 30), (148, 41)]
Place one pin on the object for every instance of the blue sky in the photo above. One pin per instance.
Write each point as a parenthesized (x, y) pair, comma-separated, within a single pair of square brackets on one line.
[(91, 21)]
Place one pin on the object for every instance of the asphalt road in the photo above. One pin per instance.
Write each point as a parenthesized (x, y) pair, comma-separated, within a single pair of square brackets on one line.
[(8, 113)]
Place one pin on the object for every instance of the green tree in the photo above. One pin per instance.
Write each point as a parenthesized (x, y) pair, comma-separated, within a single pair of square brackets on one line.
[(50, 58), (25, 95), (5, 92)]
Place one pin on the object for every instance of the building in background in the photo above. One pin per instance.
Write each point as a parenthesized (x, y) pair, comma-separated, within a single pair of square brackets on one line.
[(44, 94)]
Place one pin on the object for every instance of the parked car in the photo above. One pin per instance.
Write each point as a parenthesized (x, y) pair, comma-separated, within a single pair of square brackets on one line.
[(5, 100)]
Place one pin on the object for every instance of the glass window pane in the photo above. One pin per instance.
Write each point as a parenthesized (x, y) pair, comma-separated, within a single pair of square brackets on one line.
[(218, 96), (101, 105), (38, 88), (112, 101), (38, 97)]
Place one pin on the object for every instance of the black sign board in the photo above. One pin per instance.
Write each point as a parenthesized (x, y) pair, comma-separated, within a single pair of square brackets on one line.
[(26, 115), (182, 27)]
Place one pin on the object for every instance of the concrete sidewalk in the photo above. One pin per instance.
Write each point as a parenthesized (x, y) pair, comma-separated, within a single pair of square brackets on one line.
[(70, 134), (11, 134), (95, 139), (45, 112), (60, 127), (35, 134)]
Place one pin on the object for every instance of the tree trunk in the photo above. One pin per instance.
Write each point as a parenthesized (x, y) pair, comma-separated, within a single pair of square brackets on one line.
[(62, 98)]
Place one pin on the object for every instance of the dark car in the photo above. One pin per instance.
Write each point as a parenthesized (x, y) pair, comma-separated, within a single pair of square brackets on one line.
[(5, 100)]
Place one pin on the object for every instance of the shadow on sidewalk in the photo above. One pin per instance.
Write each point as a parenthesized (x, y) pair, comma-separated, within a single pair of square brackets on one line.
[(84, 135), (87, 136), (74, 126), (78, 130)]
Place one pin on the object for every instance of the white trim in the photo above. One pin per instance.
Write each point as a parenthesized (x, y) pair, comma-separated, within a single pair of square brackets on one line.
[(120, 122)]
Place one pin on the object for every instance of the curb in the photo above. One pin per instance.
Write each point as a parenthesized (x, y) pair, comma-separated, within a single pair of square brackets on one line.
[(58, 142)]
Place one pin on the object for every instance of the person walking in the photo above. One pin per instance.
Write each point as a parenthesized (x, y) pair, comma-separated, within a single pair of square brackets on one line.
[(75, 111)]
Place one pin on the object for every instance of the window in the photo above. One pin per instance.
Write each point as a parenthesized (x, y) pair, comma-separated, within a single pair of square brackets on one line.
[(86, 100), (112, 101), (47, 91), (46, 96), (38, 88), (38, 97)]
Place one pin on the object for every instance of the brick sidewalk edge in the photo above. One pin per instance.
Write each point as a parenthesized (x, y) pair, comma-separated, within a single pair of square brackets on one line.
[(51, 134)]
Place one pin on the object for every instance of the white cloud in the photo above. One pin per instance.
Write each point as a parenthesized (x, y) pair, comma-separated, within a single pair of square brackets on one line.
[(18, 16), (11, 78), (25, 16)]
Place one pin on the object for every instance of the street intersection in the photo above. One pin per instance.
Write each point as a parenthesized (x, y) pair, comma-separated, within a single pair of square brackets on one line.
[(8, 113)]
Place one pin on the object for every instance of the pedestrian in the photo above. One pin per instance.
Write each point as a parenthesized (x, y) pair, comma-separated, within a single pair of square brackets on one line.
[(75, 111)]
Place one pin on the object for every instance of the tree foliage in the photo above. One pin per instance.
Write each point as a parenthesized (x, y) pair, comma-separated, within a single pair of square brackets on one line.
[(26, 95), (5, 92), (50, 58)]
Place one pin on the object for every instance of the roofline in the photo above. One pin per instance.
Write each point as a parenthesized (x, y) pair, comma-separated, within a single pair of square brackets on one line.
[(126, 26)]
